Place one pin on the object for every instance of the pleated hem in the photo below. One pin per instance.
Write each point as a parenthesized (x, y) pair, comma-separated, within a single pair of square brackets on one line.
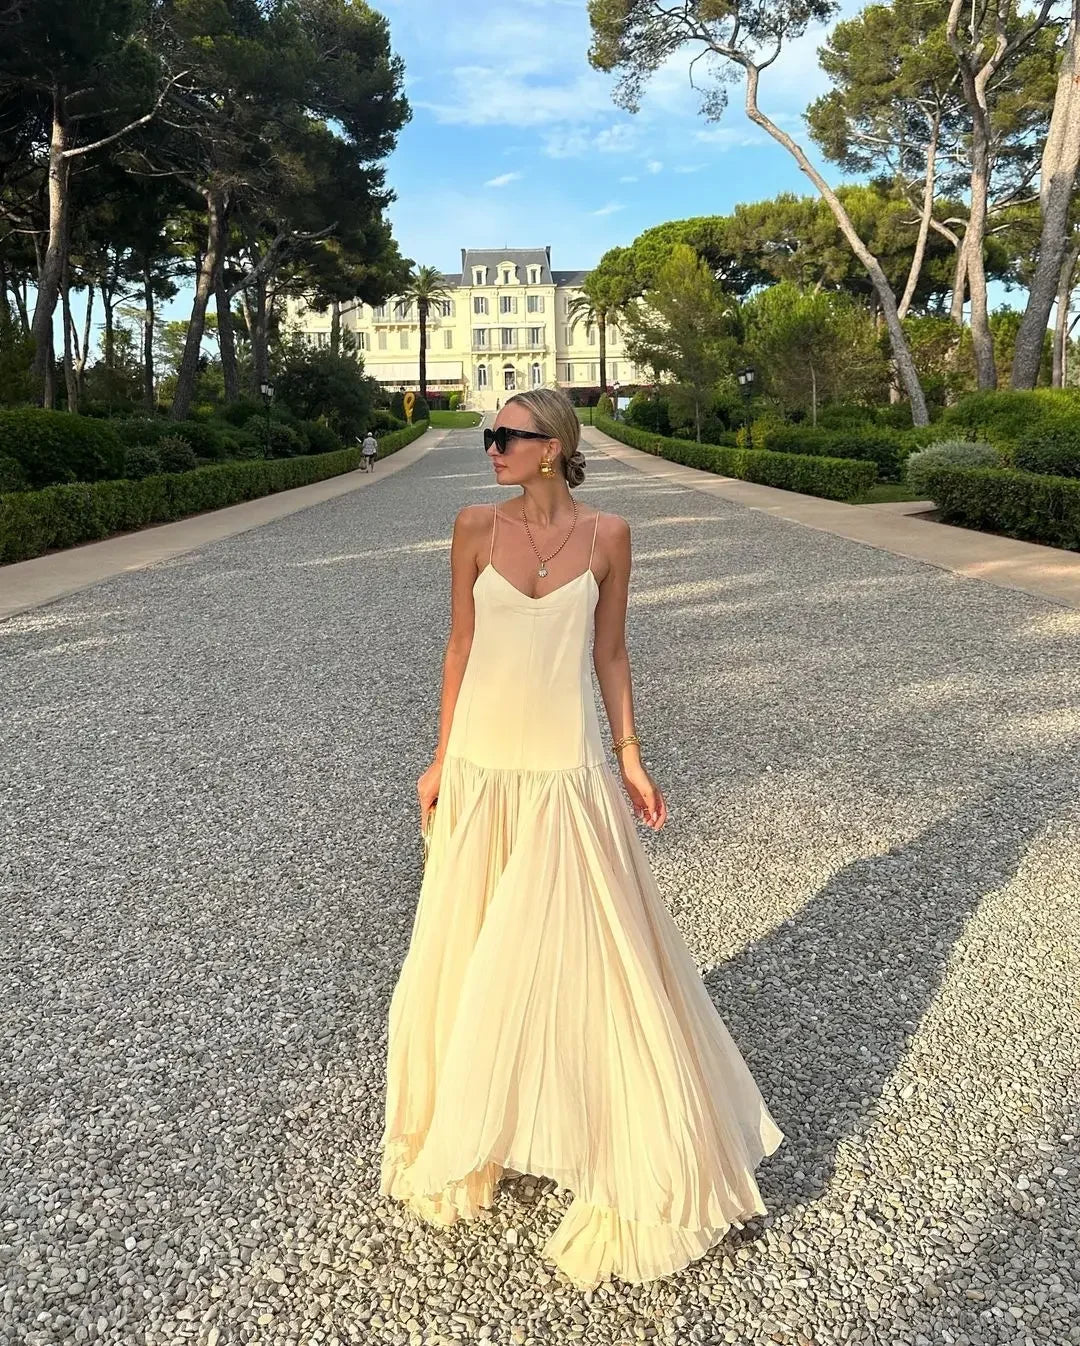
[(592, 1243)]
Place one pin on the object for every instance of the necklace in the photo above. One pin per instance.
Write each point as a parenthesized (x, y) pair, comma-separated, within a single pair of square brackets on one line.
[(545, 559)]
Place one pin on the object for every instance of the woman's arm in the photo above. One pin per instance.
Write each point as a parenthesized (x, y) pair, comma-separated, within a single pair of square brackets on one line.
[(463, 573), (612, 663)]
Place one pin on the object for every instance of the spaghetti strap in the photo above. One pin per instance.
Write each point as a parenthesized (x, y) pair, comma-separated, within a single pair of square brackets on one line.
[(593, 547), (494, 516)]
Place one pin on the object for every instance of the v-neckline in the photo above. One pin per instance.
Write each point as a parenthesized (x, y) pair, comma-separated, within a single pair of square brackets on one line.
[(535, 598)]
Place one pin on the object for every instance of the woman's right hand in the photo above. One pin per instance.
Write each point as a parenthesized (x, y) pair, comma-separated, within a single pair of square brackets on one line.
[(427, 787)]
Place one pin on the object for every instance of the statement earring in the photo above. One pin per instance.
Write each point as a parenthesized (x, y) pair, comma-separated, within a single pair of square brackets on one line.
[(546, 470)]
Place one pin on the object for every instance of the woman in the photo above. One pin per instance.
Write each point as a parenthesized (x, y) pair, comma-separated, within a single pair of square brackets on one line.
[(549, 1018)]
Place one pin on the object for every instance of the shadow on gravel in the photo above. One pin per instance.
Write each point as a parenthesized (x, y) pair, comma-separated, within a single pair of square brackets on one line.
[(811, 1004)]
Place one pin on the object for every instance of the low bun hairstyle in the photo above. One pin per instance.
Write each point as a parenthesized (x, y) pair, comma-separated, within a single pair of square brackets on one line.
[(553, 414)]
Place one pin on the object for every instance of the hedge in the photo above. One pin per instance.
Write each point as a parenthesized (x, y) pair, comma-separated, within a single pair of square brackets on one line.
[(55, 446), (831, 478), (1027, 505), (887, 448), (34, 522)]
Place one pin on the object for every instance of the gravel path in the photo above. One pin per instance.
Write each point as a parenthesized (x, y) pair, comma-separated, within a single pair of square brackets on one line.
[(209, 866)]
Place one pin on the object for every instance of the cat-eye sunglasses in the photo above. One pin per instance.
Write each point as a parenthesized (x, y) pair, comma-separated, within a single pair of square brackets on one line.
[(500, 436)]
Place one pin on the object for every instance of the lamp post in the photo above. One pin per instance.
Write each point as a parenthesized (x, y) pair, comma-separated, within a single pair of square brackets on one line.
[(267, 390), (746, 387), (615, 405)]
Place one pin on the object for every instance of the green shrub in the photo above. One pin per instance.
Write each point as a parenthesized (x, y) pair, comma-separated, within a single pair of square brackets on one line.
[(605, 406), (1005, 417), (141, 460), (284, 441), (317, 437), (57, 446), (886, 448), (1053, 448), (12, 477), (1027, 505), (421, 411), (34, 522), (237, 414), (176, 454), (649, 413), (947, 453), (397, 407), (832, 478), (383, 422), (455, 401)]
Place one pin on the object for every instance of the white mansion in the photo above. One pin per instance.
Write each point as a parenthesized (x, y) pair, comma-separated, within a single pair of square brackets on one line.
[(503, 328)]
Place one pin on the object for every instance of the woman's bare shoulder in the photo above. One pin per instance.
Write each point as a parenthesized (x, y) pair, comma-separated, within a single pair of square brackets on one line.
[(612, 527), (470, 518)]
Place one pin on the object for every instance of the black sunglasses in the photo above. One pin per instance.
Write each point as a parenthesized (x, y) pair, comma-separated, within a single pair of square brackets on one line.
[(505, 432)]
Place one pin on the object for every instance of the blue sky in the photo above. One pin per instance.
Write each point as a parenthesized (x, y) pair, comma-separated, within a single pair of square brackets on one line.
[(515, 140)]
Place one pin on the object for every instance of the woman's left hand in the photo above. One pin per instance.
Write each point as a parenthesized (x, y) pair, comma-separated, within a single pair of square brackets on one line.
[(648, 802)]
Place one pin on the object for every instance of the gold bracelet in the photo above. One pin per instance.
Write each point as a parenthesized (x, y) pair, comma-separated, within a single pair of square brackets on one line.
[(627, 738)]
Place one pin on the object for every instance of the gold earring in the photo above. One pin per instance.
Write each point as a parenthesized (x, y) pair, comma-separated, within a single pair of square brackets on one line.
[(546, 470)]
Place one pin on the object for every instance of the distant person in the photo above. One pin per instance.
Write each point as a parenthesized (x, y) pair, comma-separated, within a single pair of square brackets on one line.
[(370, 450)]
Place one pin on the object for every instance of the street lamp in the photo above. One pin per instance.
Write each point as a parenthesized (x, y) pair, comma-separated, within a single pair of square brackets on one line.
[(615, 407), (267, 390), (746, 387)]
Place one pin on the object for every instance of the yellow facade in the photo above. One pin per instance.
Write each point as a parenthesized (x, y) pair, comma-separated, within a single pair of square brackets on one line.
[(503, 327)]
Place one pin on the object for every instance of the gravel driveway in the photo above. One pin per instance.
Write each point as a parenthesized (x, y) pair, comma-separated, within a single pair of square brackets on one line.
[(209, 867)]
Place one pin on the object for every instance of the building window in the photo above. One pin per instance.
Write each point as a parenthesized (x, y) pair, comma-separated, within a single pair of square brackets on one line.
[(537, 377), (568, 335), (506, 275), (361, 341), (534, 275), (381, 338), (481, 376), (479, 336), (378, 311), (444, 307), (594, 372), (590, 333), (402, 309), (535, 303), (448, 339), (479, 304), (568, 372), (403, 338), (614, 372), (613, 336), (508, 303), (427, 339), (507, 337), (479, 275), (509, 381), (536, 336)]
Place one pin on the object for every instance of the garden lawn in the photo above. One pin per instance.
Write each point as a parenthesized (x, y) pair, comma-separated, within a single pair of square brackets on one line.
[(455, 420)]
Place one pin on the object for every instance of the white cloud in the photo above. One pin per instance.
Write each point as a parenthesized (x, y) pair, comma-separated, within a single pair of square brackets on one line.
[(654, 166), (580, 141), (628, 177), (511, 95), (609, 209), (689, 168), (502, 179)]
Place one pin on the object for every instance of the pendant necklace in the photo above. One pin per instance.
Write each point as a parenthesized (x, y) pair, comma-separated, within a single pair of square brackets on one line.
[(545, 559)]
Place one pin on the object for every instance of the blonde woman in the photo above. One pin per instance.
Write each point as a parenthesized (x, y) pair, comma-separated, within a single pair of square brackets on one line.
[(548, 1018)]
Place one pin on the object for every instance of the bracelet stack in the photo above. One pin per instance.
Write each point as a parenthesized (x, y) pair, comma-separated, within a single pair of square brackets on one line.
[(626, 738)]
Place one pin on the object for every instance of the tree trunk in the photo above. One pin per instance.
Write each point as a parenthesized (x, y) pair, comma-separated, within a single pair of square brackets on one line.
[(259, 319), (1061, 328), (422, 310), (69, 364), (905, 363), (335, 327), (982, 339), (1057, 179), (924, 218), (148, 339), (226, 340), (813, 394), (48, 288), (204, 287), (601, 322)]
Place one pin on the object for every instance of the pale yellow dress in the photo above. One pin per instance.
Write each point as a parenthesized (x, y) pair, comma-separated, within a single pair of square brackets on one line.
[(548, 1017)]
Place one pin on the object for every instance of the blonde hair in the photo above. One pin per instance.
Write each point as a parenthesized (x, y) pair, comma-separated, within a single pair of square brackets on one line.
[(554, 415)]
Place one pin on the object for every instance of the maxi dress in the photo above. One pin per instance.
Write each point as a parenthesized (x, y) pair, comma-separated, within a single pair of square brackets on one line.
[(549, 1018)]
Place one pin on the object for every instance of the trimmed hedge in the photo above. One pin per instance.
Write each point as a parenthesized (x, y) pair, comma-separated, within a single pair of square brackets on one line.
[(1027, 505), (887, 448), (830, 478), (34, 522), (1052, 448), (1005, 416), (55, 446)]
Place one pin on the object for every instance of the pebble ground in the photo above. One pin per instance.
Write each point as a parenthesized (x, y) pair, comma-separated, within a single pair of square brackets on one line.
[(208, 872)]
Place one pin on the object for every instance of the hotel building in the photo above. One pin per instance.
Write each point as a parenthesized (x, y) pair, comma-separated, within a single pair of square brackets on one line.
[(503, 327)]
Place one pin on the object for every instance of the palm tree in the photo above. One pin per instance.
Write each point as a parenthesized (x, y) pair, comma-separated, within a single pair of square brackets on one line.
[(424, 288), (583, 308)]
